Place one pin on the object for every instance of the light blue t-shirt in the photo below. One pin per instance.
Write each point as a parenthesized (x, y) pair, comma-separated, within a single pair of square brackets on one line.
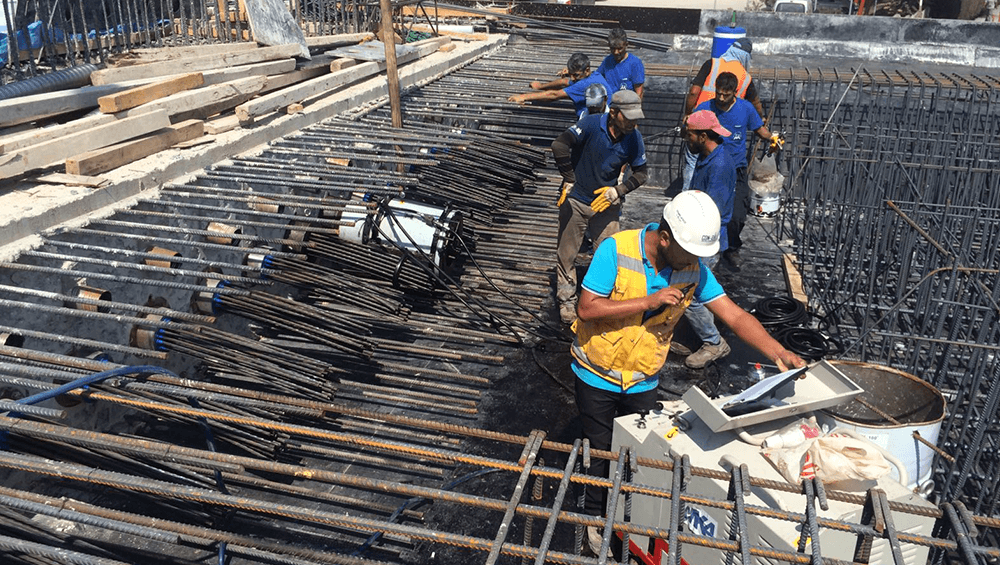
[(622, 76), (600, 280)]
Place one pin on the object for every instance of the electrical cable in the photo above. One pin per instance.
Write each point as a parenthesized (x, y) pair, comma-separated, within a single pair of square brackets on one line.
[(810, 344), (534, 355), (489, 317), (557, 331), (779, 311)]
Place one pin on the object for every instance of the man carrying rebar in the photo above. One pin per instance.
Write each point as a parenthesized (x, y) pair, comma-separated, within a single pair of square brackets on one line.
[(740, 118), (622, 70), (637, 287), (574, 86), (591, 197), (735, 60)]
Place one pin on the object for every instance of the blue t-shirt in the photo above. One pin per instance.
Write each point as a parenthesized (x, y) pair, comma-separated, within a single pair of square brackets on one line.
[(600, 280), (601, 159), (577, 92), (741, 119), (622, 76), (715, 175)]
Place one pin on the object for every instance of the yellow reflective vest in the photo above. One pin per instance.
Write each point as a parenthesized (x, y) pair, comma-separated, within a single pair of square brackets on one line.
[(718, 67), (627, 351)]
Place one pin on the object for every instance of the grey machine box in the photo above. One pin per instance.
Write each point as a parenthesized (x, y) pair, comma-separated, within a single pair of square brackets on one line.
[(719, 450)]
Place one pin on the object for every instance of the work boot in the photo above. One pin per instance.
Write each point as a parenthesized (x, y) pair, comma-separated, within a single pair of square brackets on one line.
[(680, 349), (706, 354), (567, 313), (732, 257), (594, 538)]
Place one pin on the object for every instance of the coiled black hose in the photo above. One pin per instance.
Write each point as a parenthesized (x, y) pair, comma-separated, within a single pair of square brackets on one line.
[(779, 311), (808, 343)]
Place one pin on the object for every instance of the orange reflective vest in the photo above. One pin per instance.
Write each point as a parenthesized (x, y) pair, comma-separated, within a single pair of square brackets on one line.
[(627, 351), (718, 67)]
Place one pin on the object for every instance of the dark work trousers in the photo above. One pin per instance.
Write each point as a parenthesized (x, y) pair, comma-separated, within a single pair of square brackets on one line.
[(598, 409), (741, 206)]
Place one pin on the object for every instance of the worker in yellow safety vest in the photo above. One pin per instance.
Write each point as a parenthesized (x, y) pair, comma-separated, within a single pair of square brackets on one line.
[(636, 289)]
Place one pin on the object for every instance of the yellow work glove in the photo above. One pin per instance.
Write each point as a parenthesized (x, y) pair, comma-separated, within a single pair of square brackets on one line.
[(564, 192), (607, 196), (777, 142)]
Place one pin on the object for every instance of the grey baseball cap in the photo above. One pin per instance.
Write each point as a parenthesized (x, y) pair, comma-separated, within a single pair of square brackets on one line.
[(628, 103)]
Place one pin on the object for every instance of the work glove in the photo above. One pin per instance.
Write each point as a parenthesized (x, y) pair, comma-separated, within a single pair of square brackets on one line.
[(607, 196), (567, 187), (777, 142)]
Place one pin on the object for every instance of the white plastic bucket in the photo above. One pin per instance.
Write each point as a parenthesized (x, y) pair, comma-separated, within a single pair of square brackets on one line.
[(917, 405), (764, 204)]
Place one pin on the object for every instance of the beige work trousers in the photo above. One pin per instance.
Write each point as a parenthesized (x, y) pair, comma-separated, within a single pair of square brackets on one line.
[(575, 219)]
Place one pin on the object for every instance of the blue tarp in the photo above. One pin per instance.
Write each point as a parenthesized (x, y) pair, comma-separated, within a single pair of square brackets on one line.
[(34, 37)]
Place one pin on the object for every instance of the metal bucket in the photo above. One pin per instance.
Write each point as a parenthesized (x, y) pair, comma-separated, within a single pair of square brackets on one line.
[(915, 404)]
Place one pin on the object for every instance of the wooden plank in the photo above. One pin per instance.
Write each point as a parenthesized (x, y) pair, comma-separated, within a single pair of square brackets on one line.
[(272, 24), (259, 106), (342, 63), (107, 158), (204, 139), (793, 279), (74, 180), (213, 98), (44, 154), (222, 125), (325, 42), (36, 136), (194, 64), (277, 67), (252, 109), (142, 56), (24, 109), (139, 95)]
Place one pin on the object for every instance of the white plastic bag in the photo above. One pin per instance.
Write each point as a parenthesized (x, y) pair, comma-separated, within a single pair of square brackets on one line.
[(842, 458), (832, 458)]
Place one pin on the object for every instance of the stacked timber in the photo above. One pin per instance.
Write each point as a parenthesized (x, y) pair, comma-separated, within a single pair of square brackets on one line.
[(156, 101)]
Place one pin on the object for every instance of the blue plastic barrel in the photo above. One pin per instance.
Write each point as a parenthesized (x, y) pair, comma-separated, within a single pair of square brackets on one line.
[(724, 37)]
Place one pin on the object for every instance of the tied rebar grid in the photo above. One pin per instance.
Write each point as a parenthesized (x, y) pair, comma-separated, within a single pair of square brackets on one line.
[(892, 199), (872, 528), (62, 34)]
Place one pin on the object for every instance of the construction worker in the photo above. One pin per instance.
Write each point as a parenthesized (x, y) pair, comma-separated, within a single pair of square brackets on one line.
[(597, 99), (622, 70), (735, 60), (715, 175), (740, 118), (591, 196), (573, 86), (637, 287)]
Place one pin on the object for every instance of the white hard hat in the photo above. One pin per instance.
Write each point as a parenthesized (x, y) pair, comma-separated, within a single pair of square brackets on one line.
[(694, 220)]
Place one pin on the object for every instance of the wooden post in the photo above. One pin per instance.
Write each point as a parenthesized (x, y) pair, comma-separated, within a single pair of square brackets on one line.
[(389, 39)]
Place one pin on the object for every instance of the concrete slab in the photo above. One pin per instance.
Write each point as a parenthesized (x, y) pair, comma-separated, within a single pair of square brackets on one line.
[(31, 208)]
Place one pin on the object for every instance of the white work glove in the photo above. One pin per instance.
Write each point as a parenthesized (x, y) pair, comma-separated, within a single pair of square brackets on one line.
[(567, 187), (607, 196)]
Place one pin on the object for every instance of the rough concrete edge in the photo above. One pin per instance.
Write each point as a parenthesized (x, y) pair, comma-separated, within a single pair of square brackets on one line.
[(934, 53), (105, 201)]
